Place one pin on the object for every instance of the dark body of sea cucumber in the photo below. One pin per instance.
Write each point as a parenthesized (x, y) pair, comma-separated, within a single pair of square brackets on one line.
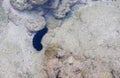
[(38, 38)]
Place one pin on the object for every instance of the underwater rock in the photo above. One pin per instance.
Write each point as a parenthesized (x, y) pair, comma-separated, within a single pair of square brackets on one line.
[(52, 22), (3, 18), (35, 24), (93, 32), (38, 2), (32, 21), (63, 8), (66, 65), (21, 5), (85, 45), (73, 67), (54, 4), (59, 8)]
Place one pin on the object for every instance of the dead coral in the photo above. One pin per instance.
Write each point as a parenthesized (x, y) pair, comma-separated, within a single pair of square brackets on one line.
[(53, 68), (52, 51), (73, 67)]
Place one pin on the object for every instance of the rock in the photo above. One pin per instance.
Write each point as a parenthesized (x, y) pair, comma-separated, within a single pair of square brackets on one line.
[(64, 8), (1, 2), (53, 67), (21, 5), (35, 24), (115, 67), (38, 2), (85, 45), (84, 28), (71, 67), (93, 32), (52, 22), (52, 51), (12, 53), (61, 11), (3, 19), (59, 8), (32, 21), (54, 4)]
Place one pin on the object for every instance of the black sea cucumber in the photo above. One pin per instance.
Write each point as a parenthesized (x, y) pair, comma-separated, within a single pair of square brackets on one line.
[(38, 38)]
